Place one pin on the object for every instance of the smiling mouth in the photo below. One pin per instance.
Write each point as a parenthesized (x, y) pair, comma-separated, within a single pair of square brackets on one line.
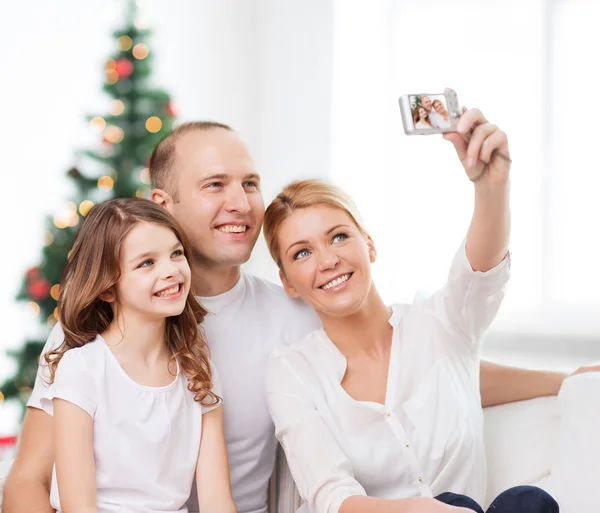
[(171, 291), (232, 228), (337, 282)]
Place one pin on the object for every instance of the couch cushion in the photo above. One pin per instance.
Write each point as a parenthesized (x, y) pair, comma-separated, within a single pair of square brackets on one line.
[(520, 439)]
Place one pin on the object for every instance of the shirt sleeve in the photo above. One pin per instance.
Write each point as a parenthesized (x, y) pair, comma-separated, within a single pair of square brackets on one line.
[(470, 300), (216, 389), (322, 472), (42, 379), (73, 382)]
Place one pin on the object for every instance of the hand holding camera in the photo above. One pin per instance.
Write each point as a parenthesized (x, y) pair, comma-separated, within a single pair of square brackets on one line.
[(481, 146)]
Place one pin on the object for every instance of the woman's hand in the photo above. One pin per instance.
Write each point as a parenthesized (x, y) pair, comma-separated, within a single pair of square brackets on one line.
[(481, 147), (585, 369)]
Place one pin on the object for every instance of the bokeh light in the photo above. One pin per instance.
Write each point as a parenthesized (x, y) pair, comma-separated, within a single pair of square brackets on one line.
[(105, 183), (85, 206), (140, 51), (117, 107), (153, 124), (124, 43)]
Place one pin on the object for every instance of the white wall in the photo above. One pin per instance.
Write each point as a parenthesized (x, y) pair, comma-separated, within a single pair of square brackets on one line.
[(263, 67)]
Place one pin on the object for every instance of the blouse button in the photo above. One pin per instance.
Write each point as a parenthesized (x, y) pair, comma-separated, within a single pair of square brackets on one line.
[(407, 445), (420, 479), (388, 413)]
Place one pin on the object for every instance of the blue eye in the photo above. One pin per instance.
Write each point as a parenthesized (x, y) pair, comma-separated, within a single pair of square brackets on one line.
[(149, 262), (340, 237), (177, 253), (301, 254), (250, 184), (214, 185)]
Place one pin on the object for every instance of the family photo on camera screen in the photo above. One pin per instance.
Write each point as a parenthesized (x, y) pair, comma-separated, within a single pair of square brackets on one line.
[(430, 111)]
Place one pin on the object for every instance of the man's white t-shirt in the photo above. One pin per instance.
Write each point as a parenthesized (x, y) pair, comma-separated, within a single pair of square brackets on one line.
[(243, 326), (146, 439)]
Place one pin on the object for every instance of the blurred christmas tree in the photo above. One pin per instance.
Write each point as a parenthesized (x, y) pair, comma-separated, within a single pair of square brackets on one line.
[(138, 117)]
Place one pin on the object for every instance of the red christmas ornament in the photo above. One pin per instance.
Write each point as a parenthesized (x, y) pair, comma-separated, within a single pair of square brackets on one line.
[(124, 68), (170, 109), (32, 273), (39, 289)]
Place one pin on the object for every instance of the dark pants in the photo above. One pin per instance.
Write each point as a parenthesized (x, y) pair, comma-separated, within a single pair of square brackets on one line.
[(520, 499)]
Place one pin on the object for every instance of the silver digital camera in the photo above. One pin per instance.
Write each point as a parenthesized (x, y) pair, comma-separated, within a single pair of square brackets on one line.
[(426, 114)]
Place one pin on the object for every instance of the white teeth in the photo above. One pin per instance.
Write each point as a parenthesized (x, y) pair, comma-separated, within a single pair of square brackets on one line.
[(168, 292), (231, 228), (336, 282)]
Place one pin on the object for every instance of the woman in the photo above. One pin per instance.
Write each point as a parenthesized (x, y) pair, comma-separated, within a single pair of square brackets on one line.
[(380, 410), (421, 118), (440, 109)]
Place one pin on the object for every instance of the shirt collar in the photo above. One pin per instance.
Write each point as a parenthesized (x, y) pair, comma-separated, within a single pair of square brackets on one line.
[(215, 304)]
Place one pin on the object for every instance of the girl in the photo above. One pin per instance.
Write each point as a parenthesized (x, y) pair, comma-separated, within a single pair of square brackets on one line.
[(380, 410), (134, 397), (421, 118)]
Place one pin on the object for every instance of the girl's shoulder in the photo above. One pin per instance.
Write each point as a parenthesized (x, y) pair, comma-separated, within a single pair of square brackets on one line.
[(92, 354)]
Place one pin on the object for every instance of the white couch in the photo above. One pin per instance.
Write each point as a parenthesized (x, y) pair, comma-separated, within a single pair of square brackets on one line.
[(520, 441)]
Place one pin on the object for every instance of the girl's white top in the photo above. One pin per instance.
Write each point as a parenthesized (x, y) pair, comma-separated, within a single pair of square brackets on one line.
[(428, 436), (146, 439)]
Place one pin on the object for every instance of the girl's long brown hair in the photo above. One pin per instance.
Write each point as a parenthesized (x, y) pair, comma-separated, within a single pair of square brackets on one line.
[(93, 269)]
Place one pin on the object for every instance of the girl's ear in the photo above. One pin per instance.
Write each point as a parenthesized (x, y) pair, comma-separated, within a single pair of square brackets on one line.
[(289, 289), (107, 296), (372, 250)]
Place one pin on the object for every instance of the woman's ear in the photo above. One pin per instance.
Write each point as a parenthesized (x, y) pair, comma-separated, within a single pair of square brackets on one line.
[(289, 289), (372, 250), (107, 296)]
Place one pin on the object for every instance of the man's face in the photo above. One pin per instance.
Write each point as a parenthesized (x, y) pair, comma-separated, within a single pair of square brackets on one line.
[(220, 204), (426, 102)]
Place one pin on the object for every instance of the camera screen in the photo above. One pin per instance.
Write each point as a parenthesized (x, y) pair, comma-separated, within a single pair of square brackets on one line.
[(429, 112)]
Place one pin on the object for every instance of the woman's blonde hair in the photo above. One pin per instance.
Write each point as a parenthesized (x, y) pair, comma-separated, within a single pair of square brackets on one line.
[(304, 194), (93, 269)]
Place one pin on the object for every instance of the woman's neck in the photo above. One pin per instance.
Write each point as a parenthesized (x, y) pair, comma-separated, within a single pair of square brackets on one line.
[(138, 337), (365, 330)]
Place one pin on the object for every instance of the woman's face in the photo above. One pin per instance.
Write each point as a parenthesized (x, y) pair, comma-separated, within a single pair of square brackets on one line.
[(422, 114), (438, 107), (325, 260)]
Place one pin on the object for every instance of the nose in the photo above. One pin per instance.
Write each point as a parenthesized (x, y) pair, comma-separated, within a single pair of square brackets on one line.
[(237, 200), (327, 259), (168, 270)]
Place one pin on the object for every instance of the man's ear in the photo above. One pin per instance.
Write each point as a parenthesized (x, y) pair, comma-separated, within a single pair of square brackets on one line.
[(107, 296), (289, 289), (162, 198), (372, 250)]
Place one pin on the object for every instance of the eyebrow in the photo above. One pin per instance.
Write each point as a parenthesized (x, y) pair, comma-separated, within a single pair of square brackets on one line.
[(328, 232), (149, 253), (225, 176)]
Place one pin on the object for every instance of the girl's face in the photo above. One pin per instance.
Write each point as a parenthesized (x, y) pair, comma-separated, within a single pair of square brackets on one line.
[(155, 275), (438, 107), (326, 259), (422, 114)]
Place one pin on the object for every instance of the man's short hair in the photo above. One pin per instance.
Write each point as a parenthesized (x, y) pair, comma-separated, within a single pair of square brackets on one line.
[(163, 156)]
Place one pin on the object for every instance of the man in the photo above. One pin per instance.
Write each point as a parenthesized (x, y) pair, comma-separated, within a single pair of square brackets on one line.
[(205, 176), (434, 117)]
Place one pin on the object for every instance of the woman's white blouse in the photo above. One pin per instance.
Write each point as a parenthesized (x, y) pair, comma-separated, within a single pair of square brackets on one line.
[(146, 439), (428, 436)]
